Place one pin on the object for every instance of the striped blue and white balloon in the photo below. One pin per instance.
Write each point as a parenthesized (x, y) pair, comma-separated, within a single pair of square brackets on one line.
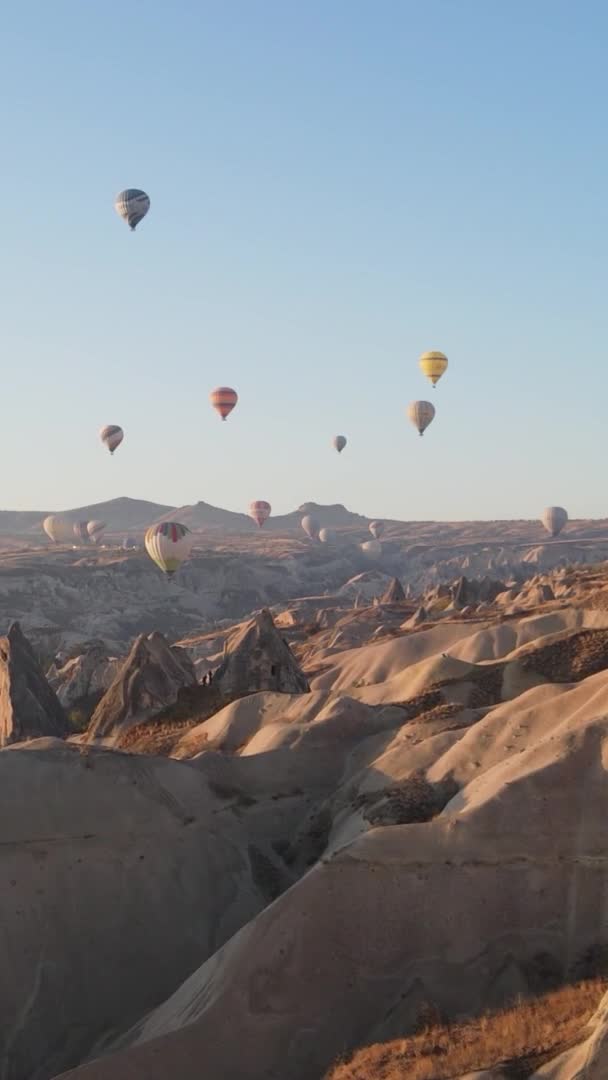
[(132, 205)]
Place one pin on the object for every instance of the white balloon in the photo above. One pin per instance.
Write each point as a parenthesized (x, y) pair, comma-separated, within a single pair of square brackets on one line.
[(372, 548)]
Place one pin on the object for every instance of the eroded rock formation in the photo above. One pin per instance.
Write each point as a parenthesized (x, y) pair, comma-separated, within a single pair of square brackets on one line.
[(87, 670), (149, 680), (29, 708), (394, 594), (258, 658)]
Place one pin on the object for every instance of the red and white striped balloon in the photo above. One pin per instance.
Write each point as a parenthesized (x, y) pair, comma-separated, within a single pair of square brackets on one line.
[(259, 511), (223, 399)]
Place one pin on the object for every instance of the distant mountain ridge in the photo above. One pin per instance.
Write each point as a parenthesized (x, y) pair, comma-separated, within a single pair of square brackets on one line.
[(122, 514), (135, 515), (202, 515), (20, 522), (126, 515)]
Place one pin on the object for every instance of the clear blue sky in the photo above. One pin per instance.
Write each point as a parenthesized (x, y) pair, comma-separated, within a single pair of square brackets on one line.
[(336, 186)]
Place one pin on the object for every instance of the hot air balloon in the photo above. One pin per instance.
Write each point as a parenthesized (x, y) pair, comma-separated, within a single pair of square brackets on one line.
[(339, 442), (223, 400), (168, 544), (554, 518), (132, 205), (372, 548), (259, 511), (58, 529), (326, 536), (80, 530), (433, 365), (95, 530), (310, 526), (111, 436), (420, 413), (376, 528)]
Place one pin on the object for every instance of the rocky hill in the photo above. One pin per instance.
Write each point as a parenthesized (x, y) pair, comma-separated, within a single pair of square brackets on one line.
[(135, 515), (203, 516), (120, 515)]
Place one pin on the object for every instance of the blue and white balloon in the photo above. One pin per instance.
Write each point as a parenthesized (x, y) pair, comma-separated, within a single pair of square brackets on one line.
[(132, 205)]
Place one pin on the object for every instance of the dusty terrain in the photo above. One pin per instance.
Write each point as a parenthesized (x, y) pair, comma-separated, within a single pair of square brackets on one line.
[(67, 594), (383, 816)]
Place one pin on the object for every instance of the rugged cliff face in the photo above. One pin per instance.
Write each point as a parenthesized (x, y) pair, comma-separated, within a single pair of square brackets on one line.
[(29, 708)]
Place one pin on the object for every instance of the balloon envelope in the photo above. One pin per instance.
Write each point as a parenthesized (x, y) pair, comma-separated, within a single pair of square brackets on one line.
[(372, 548), (168, 544), (58, 529), (259, 511), (554, 518), (433, 364), (111, 436), (132, 204), (80, 530), (223, 399), (339, 442), (421, 413), (95, 530), (326, 536), (376, 528), (310, 526)]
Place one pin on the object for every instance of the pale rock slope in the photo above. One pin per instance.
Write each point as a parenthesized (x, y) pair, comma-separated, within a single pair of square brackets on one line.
[(118, 878), (437, 911), (423, 826)]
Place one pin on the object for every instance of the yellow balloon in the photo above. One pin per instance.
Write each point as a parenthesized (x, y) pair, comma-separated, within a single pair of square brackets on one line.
[(433, 364), (59, 529)]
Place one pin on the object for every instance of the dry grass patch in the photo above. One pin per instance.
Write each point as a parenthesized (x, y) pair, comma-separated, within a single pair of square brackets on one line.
[(408, 802), (571, 659), (519, 1039)]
